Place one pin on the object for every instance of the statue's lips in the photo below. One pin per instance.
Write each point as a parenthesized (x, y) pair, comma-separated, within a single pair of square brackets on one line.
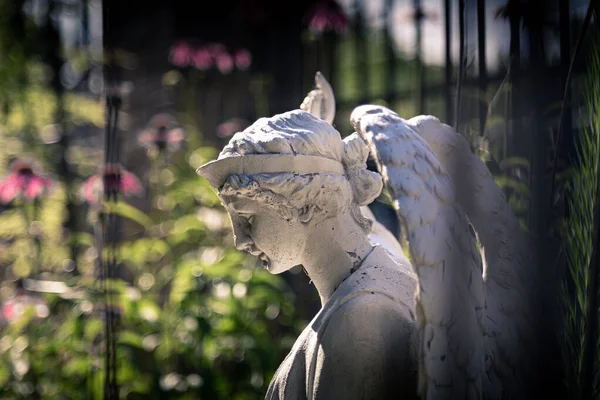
[(264, 260)]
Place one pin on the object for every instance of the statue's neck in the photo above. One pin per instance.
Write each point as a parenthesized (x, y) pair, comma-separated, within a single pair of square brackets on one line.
[(338, 246)]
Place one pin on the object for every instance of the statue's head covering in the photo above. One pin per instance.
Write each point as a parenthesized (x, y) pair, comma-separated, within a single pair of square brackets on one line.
[(292, 142)]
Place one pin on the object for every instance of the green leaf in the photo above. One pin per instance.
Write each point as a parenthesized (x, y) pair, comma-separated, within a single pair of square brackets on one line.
[(4, 375), (141, 384), (149, 310), (77, 366), (83, 238), (127, 211), (131, 338), (92, 329), (183, 281)]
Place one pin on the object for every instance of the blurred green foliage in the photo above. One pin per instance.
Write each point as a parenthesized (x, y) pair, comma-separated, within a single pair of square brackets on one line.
[(198, 318)]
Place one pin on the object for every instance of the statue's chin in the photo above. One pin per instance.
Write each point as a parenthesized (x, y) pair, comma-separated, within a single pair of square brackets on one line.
[(273, 267)]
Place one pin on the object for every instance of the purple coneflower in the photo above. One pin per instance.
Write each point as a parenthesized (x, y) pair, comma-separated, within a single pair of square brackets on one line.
[(180, 54), (162, 133), (243, 59), (327, 15), (25, 180), (117, 179), (202, 58), (224, 62), (232, 126)]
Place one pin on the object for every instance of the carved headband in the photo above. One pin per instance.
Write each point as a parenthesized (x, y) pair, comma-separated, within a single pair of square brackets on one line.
[(217, 171)]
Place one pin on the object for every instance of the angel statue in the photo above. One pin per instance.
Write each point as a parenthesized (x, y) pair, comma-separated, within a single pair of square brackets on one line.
[(454, 322)]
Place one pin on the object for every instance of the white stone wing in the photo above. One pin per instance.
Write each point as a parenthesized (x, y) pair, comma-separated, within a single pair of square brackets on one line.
[(509, 316), (320, 101), (450, 294)]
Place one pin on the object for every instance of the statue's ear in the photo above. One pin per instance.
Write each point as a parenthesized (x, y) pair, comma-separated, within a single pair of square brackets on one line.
[(305, 213)]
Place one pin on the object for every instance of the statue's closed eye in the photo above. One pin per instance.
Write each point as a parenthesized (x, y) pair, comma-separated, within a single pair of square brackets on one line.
[(249, 224), (248, 218)]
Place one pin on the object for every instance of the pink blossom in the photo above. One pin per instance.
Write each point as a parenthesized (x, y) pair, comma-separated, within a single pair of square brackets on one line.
[(202, 58), (243, 59), (24, 181), (209, 55), (231, 127), (14, 308), (181, 54), (162, 133), (327, 16), (117, 179), (224, 63)]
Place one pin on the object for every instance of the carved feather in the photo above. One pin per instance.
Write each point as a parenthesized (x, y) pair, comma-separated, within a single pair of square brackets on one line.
[(509, 295), (320, 102), (450, 297)]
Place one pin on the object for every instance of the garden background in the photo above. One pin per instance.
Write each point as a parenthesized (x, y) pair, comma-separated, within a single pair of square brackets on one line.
[(118, 271)]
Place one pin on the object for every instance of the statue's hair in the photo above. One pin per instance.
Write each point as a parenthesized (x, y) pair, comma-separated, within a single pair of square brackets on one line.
[(323, 195)]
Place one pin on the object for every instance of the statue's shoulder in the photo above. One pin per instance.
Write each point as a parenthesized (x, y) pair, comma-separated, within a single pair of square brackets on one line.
[(366, 349), (372, 313)]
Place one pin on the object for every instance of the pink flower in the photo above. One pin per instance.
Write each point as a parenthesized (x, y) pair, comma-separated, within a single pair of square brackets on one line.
[(224, 63), (243, 59), (117, 179), (24, 181), (202, 58), (231, 127), (209, 55), (181, 54), (14, 308), (162, 133), (327, 16)]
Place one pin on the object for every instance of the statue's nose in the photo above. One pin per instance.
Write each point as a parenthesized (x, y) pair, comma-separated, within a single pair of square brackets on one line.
[(245, 243)]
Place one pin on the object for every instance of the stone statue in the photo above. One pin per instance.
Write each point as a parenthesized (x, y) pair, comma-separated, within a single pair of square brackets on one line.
[(443, 327)]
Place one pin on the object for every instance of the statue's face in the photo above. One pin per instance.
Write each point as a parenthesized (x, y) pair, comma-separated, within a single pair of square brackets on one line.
[(262, 232)]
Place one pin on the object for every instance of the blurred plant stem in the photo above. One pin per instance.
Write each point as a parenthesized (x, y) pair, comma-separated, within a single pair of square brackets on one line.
[(32, 373), (461, 63), (29, 211)]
